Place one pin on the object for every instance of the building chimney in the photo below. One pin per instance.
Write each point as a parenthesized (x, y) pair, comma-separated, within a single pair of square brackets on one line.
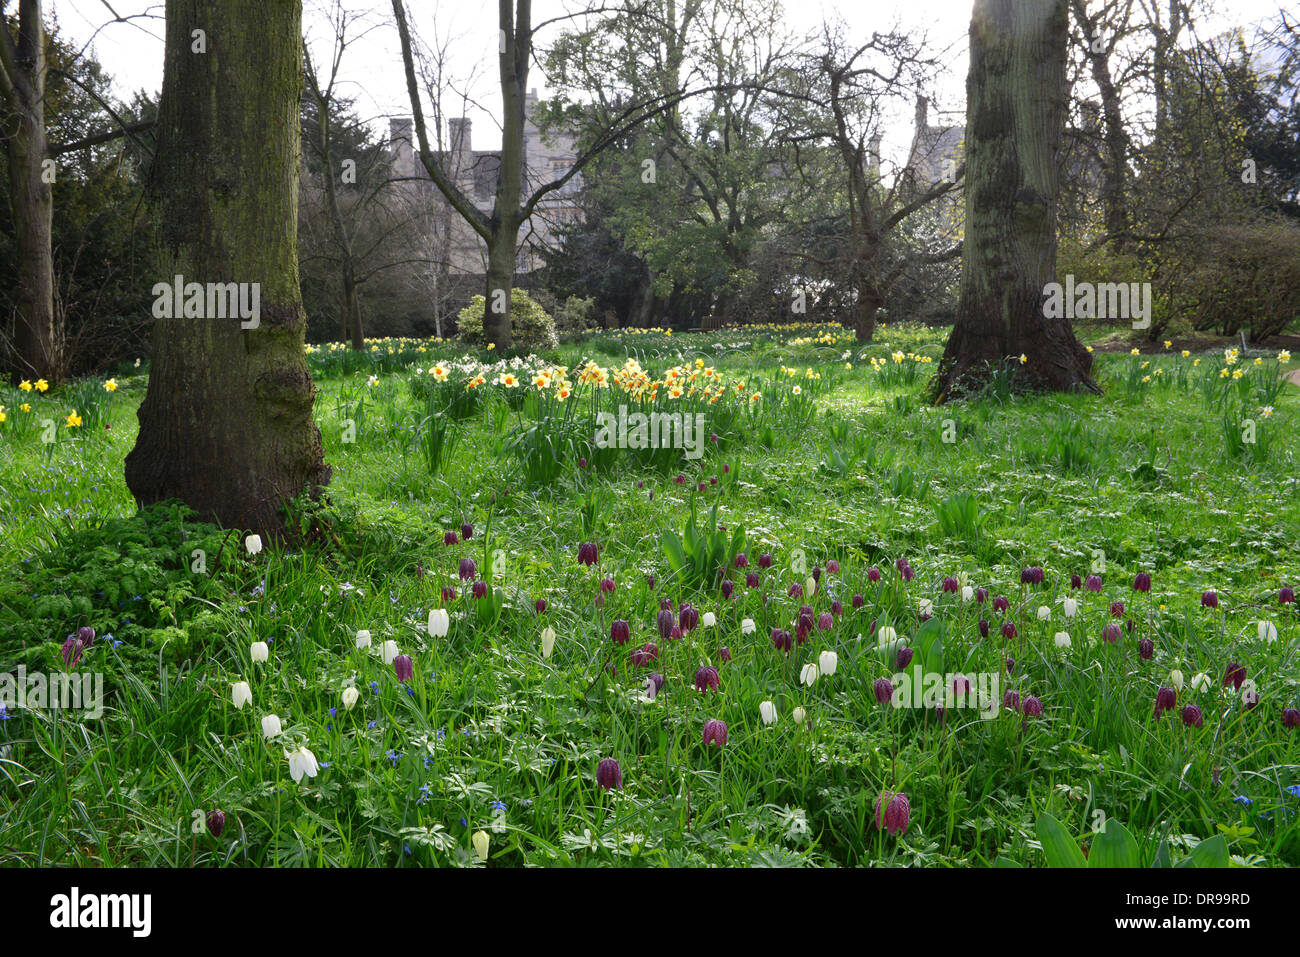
[(922, 108), (400, 139)]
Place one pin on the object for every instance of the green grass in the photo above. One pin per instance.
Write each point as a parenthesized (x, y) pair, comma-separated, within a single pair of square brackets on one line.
[(1154, 476)]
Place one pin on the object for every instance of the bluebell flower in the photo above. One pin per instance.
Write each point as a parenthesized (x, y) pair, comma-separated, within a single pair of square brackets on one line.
[(374, 687), (334, 712), (1294, 790), (1242, 799), (372, 724), (464, 823), (406, 847), (424, 794), (4, 713), (393, 758), (427, 759), (410, 690)]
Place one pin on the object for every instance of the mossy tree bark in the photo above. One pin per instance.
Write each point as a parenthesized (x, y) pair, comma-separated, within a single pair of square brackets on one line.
[(31, 195), (1016, 103), (227, 423)]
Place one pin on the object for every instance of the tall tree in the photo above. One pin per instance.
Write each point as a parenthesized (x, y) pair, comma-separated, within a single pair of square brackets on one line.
[(227, 424), (31, 198), (1015, 120)]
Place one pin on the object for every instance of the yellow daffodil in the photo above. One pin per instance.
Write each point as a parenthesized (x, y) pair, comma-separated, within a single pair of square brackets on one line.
[(73, 419), (42, 385), (110, 385), (25, 385)]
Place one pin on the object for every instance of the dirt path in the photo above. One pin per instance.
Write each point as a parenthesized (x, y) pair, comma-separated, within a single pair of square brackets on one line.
[(1293, 377)]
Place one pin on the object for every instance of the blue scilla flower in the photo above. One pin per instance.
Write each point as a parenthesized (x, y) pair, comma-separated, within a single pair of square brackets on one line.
[(498, 805), (464, 823), (1294, 790), (374, 687), (393, 758), (406, 847), (427, 759), (1242, 799), (424, 794), (334, 712), (372, 724), (4, 713)]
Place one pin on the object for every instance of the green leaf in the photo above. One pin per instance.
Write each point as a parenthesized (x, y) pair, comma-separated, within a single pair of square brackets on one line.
[(1114, 847), (1058, 847), (1209, 853)]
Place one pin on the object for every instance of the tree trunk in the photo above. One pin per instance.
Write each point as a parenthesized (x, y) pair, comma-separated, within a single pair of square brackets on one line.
[(1016, 98), (864, 310), (31, 199), (226, 425)]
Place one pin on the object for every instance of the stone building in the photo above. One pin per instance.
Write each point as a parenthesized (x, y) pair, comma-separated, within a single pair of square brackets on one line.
[(475, 172)]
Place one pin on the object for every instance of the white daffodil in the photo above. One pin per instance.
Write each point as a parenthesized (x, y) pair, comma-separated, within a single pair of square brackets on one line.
[(241, 694), (302, 762)]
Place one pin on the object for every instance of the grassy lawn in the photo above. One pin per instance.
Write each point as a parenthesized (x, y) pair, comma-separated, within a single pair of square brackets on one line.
[(1178, 471)]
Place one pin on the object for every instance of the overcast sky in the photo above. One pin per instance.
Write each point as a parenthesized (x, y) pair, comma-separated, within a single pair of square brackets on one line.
[(132, 51)]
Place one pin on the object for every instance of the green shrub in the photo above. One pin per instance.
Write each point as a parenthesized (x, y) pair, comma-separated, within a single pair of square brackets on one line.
[(531, 326)]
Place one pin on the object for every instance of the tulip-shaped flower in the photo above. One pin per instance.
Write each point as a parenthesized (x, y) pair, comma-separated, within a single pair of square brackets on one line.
[(588, 554), (302, 762), (646, 654), (827, 662), (404, 667), (896, 814), (715, 732), (1291, 718), (1146, 649), (903, 658), (548, 641), (1234, 675), (619, 632), (706, 678), (609, 775), (271, 726), (1142, 582), (478, 589), (1093, 583), (1209, 599), (1192, 716), (216, 822), (767, 712), (1112, 633), (468, 570), (439, 622), (241, 694), (1031, 707), (1286, 595), (1166, 700), (253, 543), (259, 651), (363, 638), (350, 696), (884, 690)]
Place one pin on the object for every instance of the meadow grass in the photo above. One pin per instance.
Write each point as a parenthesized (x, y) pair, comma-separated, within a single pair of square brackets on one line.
[(1177, 471)]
